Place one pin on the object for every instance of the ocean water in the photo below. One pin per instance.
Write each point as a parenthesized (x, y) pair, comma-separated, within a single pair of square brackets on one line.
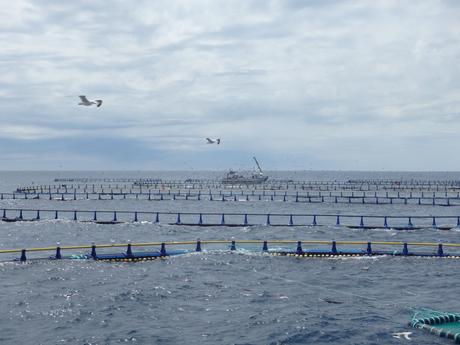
[(218, 296)]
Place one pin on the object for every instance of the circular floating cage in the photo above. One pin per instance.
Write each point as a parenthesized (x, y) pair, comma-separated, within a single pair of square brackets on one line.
[(442, 324), (289, 248)]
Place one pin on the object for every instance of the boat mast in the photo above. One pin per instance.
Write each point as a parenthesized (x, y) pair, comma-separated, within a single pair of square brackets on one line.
[(258, 166)]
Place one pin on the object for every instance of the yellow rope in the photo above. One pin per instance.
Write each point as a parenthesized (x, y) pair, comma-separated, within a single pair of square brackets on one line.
[(172, 243)]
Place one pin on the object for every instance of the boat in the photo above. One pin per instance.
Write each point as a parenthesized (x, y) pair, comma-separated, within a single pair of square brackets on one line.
[(233, 178)]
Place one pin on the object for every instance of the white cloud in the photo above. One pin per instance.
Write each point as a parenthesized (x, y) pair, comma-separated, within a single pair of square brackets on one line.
[(28, 132), (285, 77)]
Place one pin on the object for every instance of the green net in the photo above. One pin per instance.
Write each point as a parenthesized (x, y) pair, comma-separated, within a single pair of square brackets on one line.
[(443, 324)]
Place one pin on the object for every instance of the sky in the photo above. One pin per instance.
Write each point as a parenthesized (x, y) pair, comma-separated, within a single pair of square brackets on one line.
[(300, 84)]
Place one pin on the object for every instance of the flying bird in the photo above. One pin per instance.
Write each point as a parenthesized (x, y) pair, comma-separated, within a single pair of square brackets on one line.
[(85, 101), (213, 141), (406, 335)]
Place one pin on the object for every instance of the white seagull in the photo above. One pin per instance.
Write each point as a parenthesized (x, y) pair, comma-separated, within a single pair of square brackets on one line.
[(85, 101), (406, 335), (213, 141)]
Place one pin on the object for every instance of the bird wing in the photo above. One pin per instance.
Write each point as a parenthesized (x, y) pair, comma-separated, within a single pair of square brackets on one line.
[(218, 141), (99, 102), (84, 99), (210, 141)]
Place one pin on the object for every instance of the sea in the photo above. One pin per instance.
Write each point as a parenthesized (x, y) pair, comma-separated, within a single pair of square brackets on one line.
[(218, 296)]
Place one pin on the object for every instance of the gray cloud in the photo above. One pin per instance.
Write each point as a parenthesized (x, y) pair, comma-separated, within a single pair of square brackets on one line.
[(333, 84)]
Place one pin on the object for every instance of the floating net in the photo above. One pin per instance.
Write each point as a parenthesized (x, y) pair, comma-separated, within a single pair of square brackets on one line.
[(442, 324)]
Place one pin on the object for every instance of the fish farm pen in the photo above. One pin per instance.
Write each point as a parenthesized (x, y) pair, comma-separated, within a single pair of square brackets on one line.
[(304, 249), (308, 227), (268, 185)]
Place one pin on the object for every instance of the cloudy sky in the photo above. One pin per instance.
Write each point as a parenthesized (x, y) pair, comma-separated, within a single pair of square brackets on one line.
[(301, 84)]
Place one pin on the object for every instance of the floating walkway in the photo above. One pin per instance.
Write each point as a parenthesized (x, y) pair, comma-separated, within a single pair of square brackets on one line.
[(442, 324), (269, 185), (295, 248), (188, 192), (336, 198), (216, 219)]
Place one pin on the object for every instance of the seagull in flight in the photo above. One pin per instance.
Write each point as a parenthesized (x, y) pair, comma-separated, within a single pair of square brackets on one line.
[(213, 141), (85, 101), (406, 335)]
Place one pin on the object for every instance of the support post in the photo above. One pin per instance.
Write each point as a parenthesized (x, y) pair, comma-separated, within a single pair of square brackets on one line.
[(23, 256), (440, 250), (58, 253), (163, 249), (265, 246), (129, 252), (299, 250), (409, 223), (93, 251), (405, 249), (334, 247), (369, 248)]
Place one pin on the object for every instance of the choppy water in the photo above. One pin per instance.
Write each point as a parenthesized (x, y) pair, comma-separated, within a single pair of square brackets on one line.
[(218, 297)]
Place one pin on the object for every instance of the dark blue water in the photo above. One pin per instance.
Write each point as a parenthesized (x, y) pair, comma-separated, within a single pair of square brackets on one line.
[(218, 297)]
